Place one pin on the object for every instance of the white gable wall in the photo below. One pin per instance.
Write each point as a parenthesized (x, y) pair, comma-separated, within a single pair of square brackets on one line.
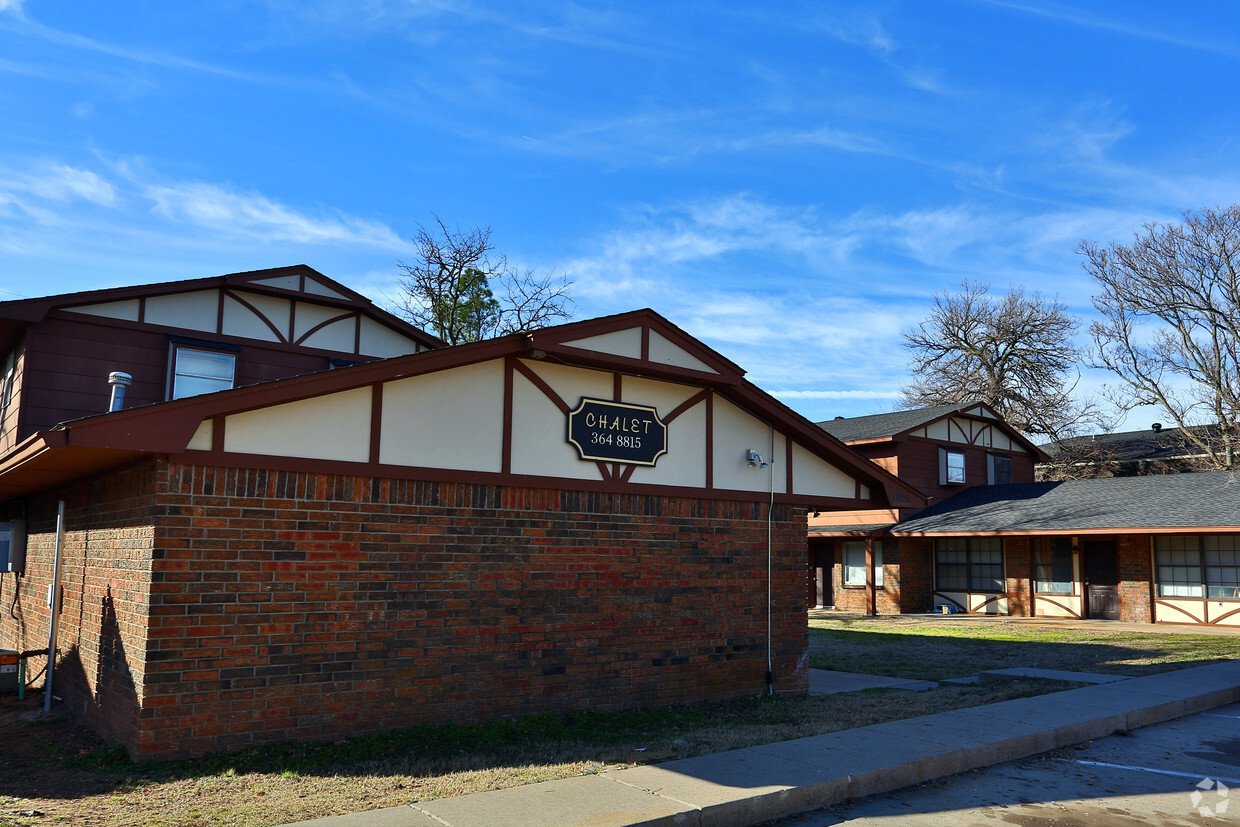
[(454, 419), (450, 419)]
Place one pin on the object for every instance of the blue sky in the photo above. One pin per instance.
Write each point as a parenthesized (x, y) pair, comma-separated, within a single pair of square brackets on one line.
[(790, 182)]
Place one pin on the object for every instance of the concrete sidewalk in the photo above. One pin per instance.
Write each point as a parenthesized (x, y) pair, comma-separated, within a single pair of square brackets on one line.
[(748, 786)]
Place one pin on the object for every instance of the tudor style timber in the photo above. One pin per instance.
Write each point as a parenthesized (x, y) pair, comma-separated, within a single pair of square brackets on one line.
[(183, 337), (1163, 548), (853, 564), (418, 540)]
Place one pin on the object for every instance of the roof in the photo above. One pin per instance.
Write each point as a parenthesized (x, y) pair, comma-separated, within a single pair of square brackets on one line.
[(298, 281), (881, 426), (1205, 500), (85, 446), (1129, 446), (847, 530)]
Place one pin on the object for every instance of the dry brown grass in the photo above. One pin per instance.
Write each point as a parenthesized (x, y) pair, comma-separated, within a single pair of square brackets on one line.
[(276, 787)]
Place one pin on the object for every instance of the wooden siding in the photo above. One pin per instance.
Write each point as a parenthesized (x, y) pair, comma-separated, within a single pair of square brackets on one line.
[(68, 360), (915, 460)]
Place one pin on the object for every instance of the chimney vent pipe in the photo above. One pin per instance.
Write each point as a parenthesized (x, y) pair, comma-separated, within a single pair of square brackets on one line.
[(119, 380)]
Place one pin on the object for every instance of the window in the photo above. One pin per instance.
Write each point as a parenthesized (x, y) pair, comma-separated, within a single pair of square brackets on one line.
[(10, 376), (968, 564), (1198, 566), (998, 469), (854, 564), (1222, 558), (951, 467), (1052, 566), (200, 371)]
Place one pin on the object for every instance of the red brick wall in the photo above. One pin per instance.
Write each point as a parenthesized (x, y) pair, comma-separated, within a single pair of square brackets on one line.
[(1135, 577), (906, 579), (1018, 573), (101, 636), (300, 606)]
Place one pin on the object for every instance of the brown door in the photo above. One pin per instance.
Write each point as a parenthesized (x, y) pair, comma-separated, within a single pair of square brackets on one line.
[(1101, 565), (821, 558)]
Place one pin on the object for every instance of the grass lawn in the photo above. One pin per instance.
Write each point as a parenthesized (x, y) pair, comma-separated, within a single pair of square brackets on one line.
[(929, 648), (68, 777), (98, 786)]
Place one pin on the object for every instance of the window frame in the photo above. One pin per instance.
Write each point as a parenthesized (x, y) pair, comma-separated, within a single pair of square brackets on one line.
[(1044, 562), (968, 553), (9, 383), (848, 583), (947, 467), (188, 346), (994, 462), (1183, 562)]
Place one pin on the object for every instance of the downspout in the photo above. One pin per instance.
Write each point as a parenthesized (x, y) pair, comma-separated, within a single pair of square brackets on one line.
[(54, 602)]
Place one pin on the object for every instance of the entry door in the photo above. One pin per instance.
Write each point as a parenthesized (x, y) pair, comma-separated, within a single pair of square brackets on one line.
[(1101, 580), (821, 559)]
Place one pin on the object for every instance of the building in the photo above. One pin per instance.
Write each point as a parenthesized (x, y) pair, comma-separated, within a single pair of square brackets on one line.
[(181, 338), (599, 515), (1139, 549), (1157, 450), (1163, 549), (937, 451)]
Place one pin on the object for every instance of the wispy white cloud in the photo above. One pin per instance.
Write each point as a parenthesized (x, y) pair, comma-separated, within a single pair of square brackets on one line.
[(866, 29), (247, 213), (1166, 32), (10, 6), (30, 28), (44, 190)]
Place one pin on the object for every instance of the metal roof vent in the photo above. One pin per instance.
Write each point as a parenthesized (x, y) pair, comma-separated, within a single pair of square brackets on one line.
[(1156, 427), (119, 380)]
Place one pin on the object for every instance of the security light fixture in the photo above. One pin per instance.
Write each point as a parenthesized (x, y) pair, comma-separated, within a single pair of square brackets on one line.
[(754, 460)]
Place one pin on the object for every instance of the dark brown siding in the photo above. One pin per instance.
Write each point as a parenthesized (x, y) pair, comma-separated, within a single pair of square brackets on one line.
[(916, 462), (68, 361)]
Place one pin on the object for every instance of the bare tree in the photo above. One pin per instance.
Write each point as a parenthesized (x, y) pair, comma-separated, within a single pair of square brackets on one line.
[(1014, 353), (1170, 327), (449, 289)]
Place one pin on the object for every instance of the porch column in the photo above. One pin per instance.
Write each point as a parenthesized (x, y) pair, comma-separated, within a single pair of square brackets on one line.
[(871, 595)]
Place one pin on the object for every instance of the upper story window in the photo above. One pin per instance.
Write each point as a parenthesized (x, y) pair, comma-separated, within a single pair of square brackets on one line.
[(196, 370), (998, 469), (951, 467), (9, 381)]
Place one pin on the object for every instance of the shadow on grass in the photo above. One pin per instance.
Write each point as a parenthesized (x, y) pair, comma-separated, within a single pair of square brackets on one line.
[(506, 750), (933, 650)]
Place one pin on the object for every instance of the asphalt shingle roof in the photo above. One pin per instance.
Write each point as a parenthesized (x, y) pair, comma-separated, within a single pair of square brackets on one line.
[(879, 426), (1200, 500), (1169, 443)]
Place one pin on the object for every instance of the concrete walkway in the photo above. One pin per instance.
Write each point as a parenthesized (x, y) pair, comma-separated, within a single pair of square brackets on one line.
[(748, 786), (827, 682)]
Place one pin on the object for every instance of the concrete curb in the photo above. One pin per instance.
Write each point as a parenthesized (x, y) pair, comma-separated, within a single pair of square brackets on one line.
[(748, 786)]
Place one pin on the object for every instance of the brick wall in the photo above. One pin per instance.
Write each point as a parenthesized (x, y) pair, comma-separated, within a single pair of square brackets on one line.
[(101, 636), (1018, 573), (303, 606), (906, 579), (1135, 577)]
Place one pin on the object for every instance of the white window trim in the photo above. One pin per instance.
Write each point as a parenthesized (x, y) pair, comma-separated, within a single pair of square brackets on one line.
[(198, 348), (944, 474), (878, 563)]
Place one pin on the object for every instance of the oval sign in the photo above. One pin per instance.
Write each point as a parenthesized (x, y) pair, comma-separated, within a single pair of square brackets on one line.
[(606, 431)]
